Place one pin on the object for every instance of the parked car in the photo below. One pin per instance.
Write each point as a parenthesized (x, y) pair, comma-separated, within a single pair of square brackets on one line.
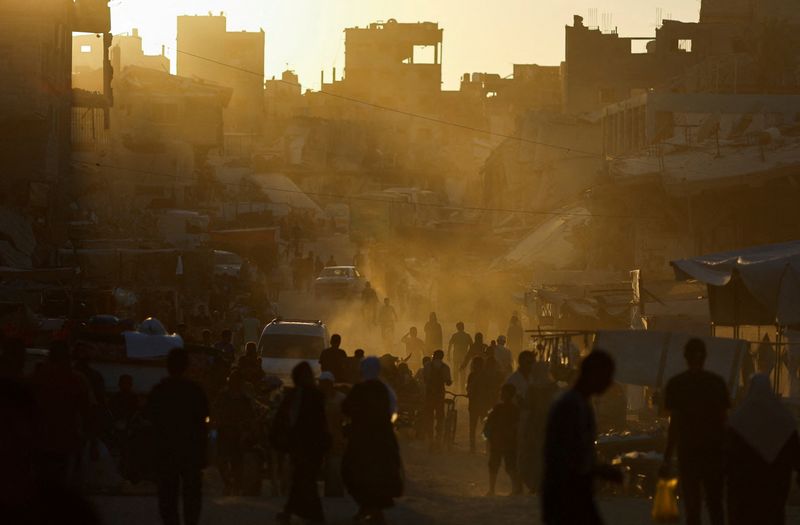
[(284, 343), (339, 282)]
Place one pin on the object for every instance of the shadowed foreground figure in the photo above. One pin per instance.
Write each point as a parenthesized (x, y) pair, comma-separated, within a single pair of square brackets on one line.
[(762, 451), (697, 401), (372, 468), (178, 410), (569, 452), (302, 432)]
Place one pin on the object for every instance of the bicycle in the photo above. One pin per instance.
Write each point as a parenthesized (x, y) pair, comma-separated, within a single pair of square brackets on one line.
[(450, 419)]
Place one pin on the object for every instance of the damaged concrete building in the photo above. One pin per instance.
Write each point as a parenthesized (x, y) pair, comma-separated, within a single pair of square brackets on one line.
[(36, 101), (235, 59)]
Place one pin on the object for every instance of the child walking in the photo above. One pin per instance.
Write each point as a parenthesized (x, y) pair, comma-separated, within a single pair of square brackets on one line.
[(501, 431)]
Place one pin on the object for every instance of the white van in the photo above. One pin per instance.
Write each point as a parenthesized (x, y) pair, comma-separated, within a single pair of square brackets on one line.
[(284, 343)]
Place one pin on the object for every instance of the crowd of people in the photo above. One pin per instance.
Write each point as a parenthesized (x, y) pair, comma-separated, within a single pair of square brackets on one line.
[(544, 435)]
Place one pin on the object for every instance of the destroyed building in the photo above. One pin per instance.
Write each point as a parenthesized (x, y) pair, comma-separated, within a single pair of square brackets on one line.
[(36, 96), (208, 51)]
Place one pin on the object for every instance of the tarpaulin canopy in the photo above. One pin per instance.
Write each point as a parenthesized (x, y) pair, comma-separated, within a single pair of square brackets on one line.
[(649, 358), (753, 286)]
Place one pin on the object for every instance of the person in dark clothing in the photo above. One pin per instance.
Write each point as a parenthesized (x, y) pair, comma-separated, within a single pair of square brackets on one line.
[(371, 467), (570, 462), (476, 349), (502, 426), (480, 396), (301, 431), (233, 413), (437, 379), (225, 346), (178, 411), (515, 335), (458, 348), (333, 359), (763, 450), (415, 347), (124, 403), (433, 334), (697, 402), (249, 365)]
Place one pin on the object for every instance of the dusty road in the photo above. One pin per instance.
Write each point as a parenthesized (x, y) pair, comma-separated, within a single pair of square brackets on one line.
[(442, 489)]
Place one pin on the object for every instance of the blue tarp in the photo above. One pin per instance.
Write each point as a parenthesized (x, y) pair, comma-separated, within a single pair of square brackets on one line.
[(752, 286)]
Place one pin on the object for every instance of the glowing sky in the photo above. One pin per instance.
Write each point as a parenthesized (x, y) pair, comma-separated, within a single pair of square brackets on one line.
[(479, 35)]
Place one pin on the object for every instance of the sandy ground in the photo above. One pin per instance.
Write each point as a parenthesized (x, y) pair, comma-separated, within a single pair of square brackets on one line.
[(445, 488), (442, 488)]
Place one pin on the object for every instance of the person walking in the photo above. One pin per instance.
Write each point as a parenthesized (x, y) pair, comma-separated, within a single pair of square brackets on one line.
[(369, 303), (476, 349), (372, 468), (457, 350), (415, 348), (570, 459), (762, 451), (233, 414), (502, 428), (505, 361), (333, 359), (515, 335), (433, 334), (480, 395), (178, 411), (301, 431), (437, 379), (333, 417), (697, 402), (387, 317)]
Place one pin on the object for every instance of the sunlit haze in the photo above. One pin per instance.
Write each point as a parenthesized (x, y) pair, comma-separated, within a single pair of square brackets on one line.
[(307, 35)]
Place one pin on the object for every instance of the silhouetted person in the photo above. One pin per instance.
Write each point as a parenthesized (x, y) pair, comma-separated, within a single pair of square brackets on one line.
[(697, 402), (64, 400), (570, 462), (225, 346), (437, 379), (457, 349), (480, 395), (762, 452), (124, 404), (387, 317), (369, 301), (433, 334), (333, 359), (515, 335), (476, 349), (249, 364), (372, 467), (300, 430), (502, 428), (334, 487), (415, 347), (178, 410), (505, 361), (232, 414)]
